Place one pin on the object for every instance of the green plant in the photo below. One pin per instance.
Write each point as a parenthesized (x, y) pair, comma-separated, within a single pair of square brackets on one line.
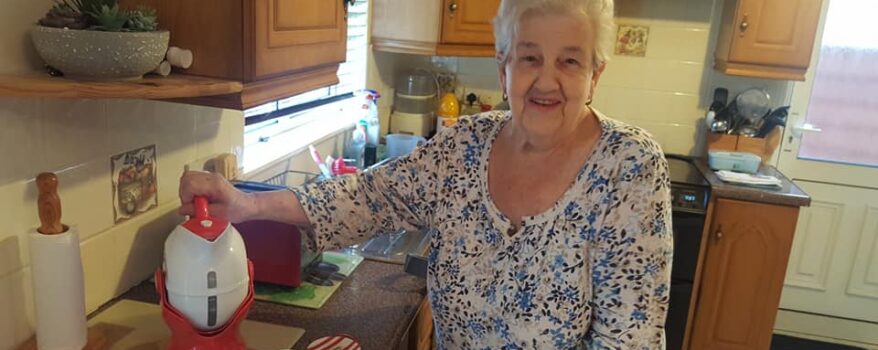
[(142, 19), (61, 15), (102, 15), (109, 19)]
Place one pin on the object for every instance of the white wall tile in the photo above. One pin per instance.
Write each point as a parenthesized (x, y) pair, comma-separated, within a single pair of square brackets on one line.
[(678, 43), (86, 193), (21, 140), (648, 105), (141, 245), (17, 318), (101, 268), (130, 125), (18, 202), (74, 131), (653, 74)]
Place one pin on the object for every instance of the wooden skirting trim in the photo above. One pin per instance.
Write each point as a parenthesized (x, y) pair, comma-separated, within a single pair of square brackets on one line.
[(404, 46), (466, 50), (759, 71)]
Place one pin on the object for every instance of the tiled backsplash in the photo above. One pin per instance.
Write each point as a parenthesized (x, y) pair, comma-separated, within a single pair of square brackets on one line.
[(667, 91), (75, 139)]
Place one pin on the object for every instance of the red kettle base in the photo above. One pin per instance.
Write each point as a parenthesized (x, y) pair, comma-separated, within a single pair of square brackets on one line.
[(185, 337)]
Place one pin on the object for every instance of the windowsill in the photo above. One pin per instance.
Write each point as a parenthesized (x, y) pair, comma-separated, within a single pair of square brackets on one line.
[(317, 125)]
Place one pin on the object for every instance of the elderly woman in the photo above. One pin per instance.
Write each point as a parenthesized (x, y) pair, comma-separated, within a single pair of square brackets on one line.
[(550, 223)]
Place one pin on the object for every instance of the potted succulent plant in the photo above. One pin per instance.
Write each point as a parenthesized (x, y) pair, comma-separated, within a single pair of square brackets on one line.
[(96, 39)]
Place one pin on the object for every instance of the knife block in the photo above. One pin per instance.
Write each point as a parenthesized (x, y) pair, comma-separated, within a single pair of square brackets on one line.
[(762, 147)]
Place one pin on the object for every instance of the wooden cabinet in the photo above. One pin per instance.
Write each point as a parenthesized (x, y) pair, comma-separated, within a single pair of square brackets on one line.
[(435, 27), (419, 335), (767, 38), (276, 48), (746, 259)]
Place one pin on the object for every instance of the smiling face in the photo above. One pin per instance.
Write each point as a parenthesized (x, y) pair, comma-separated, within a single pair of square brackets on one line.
[(549, 74)]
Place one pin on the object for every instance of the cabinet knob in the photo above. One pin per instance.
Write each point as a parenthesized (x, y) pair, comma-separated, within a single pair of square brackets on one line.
[(744, 24), (452, 8), (719, 235)]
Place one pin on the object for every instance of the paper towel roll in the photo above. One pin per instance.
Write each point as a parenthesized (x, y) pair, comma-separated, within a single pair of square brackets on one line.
[(59, 295)]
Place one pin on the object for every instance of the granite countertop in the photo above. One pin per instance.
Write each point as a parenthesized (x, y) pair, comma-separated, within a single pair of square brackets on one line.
[(788, 194), (376, 304)]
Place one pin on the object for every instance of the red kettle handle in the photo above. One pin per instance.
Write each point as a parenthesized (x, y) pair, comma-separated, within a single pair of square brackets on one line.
[(200, 203)]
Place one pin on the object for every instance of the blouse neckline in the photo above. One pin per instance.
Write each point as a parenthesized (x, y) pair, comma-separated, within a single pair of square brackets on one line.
[(497, 216)]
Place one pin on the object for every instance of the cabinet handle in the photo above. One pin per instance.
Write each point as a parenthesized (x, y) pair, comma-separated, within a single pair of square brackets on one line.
[(719, 233), (744, 24), (452, 8)]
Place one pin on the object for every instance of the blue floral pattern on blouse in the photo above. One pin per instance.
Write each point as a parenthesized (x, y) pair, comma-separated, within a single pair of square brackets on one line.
[(593, 270)]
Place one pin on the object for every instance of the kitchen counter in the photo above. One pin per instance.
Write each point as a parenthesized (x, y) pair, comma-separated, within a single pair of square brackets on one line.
[(788, 194), (376, 304)]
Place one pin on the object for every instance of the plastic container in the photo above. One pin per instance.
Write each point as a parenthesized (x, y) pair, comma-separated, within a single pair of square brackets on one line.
[(414, 104), (734, 161), (412, 123), (402, 144), (420, 83)]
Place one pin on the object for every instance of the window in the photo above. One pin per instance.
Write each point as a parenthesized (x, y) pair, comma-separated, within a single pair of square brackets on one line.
[(842, 101), (324, 106)]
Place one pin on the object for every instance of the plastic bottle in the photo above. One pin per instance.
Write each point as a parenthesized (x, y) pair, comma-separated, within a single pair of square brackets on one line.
[(449, 111), (373, 127), (355, 149)]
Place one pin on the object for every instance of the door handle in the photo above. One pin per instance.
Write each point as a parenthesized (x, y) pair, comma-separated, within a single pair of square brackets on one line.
[(799, 130), (745, 23)]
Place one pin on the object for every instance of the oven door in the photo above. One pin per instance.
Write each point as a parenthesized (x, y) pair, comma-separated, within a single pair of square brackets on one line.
[(687, 230)]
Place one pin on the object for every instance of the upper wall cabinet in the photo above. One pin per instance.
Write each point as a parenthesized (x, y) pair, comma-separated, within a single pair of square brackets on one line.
[(767, 38), (276, 48), (434, 27)]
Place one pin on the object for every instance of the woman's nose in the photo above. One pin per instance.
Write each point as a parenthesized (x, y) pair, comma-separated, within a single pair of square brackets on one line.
[(547, 80)]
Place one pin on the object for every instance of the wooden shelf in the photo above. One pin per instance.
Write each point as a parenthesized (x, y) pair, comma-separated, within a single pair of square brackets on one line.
[(150, 87)]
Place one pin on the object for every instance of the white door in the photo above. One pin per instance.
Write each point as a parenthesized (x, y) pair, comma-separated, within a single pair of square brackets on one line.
[(830, 149)]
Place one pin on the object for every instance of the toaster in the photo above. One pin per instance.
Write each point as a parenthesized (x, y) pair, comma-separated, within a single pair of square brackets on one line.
[(276, 249)]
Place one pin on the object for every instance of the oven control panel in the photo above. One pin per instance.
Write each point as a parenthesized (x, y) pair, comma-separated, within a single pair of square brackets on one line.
[(691, 199)]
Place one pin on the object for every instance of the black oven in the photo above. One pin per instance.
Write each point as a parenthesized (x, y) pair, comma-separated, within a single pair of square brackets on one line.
[(690, 193)]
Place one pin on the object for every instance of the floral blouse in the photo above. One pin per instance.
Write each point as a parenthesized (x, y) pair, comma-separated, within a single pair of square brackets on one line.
[(593, 271)]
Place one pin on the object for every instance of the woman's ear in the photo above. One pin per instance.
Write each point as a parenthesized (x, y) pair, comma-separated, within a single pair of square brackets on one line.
[(597, 74), (501, 68)]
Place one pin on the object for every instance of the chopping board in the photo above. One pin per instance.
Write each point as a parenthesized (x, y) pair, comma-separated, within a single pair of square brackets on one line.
[(309, 295), (136, 325)]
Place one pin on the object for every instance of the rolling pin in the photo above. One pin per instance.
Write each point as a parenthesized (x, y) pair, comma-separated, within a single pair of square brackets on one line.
[(49, 205)]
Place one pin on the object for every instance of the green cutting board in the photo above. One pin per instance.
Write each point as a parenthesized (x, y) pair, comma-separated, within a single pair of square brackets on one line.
[(309, 295)]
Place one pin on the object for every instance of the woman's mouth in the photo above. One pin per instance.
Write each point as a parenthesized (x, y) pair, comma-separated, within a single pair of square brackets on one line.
[(544, 103)]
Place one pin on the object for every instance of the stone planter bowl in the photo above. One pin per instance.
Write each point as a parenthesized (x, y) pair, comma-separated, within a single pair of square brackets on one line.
[(97, 55)]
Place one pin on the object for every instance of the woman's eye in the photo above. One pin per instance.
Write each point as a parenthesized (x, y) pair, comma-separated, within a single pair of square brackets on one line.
[(529, 59), (572, 61)]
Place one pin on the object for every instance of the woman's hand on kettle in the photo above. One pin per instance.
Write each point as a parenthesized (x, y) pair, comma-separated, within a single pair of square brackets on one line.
[(225, 200)]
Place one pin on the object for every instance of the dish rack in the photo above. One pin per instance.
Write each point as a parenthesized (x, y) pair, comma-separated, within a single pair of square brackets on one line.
[(281, 178)]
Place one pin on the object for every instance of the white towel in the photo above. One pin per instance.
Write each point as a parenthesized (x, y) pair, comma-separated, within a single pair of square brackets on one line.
[(748, 179)]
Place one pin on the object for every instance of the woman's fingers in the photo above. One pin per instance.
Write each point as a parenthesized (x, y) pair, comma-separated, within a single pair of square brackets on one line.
[(196, 183)]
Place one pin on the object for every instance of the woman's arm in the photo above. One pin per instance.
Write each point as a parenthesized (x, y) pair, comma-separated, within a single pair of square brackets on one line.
[(228, 202), (341, 211), (631, 259)]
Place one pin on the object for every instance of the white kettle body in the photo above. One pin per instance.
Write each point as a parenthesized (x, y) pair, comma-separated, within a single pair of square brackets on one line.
[(206, 270)]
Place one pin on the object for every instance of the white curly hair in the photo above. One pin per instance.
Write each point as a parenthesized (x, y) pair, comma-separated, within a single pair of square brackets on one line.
[(599, 12)]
